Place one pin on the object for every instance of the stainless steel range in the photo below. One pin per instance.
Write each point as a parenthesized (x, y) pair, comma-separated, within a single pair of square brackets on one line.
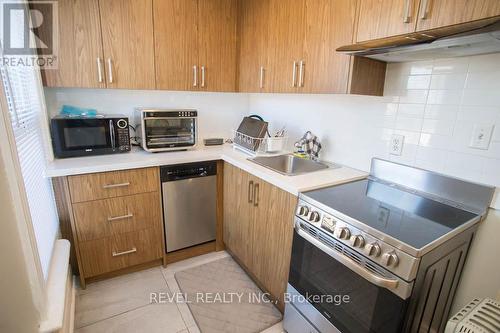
[(382, 254)]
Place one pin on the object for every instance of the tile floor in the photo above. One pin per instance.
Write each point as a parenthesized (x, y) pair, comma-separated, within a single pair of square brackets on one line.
[(122, 304)]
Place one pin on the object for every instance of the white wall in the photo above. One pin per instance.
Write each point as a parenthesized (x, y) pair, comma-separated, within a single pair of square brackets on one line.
[(218, 112), (18, 312), (433, 104)]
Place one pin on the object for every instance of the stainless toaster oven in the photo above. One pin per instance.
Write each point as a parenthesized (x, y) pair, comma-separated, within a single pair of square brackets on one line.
[(165, 129)]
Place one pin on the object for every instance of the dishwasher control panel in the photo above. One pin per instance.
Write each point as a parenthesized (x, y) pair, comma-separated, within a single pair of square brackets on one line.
[(190, 170)]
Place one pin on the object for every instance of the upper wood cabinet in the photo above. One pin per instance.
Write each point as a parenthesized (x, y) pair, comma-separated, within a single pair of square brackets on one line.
[(286, 43), (217, 44), (176, 43), (127, 38), (382, 18), (299, 53), (80, 47), (329, 25), (195, 48), (253, 58), (439, 13)]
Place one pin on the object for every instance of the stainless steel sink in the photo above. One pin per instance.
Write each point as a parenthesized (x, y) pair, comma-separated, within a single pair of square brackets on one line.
[(290, 165)]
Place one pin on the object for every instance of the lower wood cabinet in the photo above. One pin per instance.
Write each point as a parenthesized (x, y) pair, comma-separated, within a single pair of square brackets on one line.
[(258, 228), (113, 220)]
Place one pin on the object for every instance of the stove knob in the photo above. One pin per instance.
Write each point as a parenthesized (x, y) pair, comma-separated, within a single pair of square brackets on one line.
[(357, 241), (314, 217), (303, 211), (390, 259), (372, 249), (343, 233)]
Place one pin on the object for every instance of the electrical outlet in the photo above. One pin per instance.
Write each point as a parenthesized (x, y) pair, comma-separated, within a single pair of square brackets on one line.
[(481, 136), (397, 142)]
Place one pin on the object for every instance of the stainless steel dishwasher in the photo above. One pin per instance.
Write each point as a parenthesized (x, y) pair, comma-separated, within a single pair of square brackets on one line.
[(189, 194)]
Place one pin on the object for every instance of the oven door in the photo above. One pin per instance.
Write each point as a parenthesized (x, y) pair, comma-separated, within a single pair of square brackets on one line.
[(361, 299), (80, 137), (169, 132)]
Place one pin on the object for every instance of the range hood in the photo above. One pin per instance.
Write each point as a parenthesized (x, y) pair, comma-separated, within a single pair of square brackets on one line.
[(467, 39)]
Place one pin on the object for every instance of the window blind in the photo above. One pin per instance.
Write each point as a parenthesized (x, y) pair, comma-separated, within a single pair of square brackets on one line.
[(24, 99)]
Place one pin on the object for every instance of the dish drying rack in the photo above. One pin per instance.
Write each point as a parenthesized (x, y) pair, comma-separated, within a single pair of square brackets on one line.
[(267, 146)]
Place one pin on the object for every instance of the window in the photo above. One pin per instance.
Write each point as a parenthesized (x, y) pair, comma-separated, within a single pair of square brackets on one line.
[(25, 104)]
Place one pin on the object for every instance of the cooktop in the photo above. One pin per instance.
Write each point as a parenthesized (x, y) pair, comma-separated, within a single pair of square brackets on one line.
[(405, 216)]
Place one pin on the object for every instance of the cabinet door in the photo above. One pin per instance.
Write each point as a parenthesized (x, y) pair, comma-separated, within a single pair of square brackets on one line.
[(238, 214), (329, 25), (176, 43), (286, 40), (217, 44), (272, 238), (127, 34), (384, 18), (253, 34), (80, 47), (440, 13)]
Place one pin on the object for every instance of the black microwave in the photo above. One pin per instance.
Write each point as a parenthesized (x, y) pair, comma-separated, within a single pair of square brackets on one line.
[(83, 136)]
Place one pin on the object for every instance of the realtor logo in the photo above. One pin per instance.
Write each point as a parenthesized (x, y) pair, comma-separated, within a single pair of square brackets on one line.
[(30, 33)]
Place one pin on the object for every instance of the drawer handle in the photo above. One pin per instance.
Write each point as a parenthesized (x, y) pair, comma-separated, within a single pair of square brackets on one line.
[(117, 254), (114, 218), (115, 185)]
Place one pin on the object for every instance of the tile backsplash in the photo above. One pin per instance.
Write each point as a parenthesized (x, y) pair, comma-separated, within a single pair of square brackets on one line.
[(433, 104)]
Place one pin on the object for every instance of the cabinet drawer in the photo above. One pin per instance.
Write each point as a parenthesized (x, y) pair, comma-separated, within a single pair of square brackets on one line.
[(113, 184), (108, 217), (120, 251)]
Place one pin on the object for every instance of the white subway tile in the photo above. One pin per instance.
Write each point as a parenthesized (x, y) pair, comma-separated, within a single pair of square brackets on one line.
[(450, 97), (441, 127), (412, 110), (391, 109), (464, 166), (489, 80), (435, 141), (448, 81), (416, 82), (407, 155), (430, 158), (484, 63), (451, 65), (413, 96), (436, 111), (482, 114), (419, 67), (409, 123), (481, 97), (411, 137), (491, 174)]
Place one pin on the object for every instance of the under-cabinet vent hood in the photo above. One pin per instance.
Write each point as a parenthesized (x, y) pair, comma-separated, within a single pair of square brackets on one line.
[(464, 40)]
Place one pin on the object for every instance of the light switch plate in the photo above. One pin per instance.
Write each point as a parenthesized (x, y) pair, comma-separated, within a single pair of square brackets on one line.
[(481, 136), (396, 146)]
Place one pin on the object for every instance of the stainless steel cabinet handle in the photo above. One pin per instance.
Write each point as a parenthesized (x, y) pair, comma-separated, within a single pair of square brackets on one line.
[(203, 76), (115, 185), (110, 70), (195, 76), (99, 70), (250, 191), (256, 195), (116, 254), (116, 218), (424, 7), (294, 74), (407, 8), (301, 73), (348, 262), (261, 80)]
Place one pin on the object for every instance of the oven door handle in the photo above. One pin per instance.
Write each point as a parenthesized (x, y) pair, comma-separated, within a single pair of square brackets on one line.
[(349, 263)]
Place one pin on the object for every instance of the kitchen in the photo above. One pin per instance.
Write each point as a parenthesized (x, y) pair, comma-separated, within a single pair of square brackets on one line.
[(402, 96)]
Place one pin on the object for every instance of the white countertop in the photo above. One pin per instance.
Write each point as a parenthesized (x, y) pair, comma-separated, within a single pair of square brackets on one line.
[(138, 158)]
